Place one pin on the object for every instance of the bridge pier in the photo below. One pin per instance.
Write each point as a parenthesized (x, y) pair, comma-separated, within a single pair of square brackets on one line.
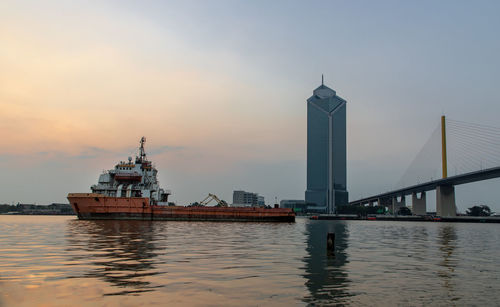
[(419, 204), (445, 201), (398, 204)]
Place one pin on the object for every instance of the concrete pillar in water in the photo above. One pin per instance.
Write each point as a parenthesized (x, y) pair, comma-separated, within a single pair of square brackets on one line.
[(398, 204), (445, 201), (419, 204)]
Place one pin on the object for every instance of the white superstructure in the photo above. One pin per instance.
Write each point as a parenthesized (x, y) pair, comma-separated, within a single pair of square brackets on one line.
[(130, 179)]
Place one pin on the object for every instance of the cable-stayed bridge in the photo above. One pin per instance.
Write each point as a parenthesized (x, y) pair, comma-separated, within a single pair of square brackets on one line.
[(469, 152)]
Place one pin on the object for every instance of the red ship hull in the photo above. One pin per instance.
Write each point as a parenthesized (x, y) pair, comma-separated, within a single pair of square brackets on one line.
[(91, 206)]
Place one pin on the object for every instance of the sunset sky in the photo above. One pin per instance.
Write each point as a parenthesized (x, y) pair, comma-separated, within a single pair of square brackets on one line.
[(219, 89)]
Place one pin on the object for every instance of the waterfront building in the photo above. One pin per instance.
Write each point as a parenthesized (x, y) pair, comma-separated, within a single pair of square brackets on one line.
[(260, 200), (52, 209), (301, 206), (298, 205), (246, 199), (326, 150)]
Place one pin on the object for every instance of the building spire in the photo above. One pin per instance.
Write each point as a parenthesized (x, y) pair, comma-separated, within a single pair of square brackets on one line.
[(322, 79)]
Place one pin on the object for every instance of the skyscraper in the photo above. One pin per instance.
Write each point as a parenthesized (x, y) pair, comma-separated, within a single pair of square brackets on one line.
[(326, 149)]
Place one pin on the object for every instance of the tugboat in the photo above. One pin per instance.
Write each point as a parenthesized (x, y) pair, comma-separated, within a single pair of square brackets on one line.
[(131, 191)]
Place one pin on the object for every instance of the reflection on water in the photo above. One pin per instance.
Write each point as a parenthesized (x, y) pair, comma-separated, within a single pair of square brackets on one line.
[(447, 240), (327, 279), (194, 263), (119, 252), (63, 261)]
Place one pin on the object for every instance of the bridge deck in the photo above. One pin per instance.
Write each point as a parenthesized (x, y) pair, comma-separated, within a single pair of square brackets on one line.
[(485, 174)]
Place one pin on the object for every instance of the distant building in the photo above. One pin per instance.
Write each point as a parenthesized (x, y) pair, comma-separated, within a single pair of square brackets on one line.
[(247, 199), (61, 208), (25, 207), (260, 200), (301, 206), (295, 204), (326, 150), (52, 209)]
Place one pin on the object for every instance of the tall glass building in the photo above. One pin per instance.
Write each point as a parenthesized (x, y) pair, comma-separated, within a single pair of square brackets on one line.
[(326, 150)]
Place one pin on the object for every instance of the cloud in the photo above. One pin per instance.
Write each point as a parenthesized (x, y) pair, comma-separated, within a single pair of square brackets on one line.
[(162, 149), (92, 152)]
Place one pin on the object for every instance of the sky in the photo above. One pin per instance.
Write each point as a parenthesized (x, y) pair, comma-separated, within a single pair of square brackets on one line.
[(219, 89)]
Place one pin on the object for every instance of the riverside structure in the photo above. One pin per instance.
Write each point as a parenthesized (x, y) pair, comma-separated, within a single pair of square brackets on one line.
[(326, 150), (485, 144)]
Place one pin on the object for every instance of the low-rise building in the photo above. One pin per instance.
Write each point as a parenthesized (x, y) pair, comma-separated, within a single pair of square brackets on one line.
[(52, 209), (300, 206), (247, 199), (260, 200)]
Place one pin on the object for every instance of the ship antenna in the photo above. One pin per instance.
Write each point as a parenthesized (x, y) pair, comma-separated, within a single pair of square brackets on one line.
[(142, 151)]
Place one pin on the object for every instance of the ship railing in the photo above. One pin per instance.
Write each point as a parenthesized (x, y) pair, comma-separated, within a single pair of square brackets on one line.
[(128, 173)]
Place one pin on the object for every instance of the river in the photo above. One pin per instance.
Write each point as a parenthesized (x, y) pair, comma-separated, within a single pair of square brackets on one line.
[(62, 261)]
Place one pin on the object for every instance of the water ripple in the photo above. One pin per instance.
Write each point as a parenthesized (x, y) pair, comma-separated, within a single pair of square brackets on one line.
[(61, 260)]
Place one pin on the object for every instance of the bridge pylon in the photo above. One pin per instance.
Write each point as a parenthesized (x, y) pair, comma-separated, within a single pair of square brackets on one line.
[(445, 195), (443, 147)]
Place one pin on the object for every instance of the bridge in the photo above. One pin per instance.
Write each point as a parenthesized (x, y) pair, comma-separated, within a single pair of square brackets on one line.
[(472, 142)]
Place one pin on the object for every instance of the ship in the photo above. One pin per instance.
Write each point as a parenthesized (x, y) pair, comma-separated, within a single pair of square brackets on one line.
[(131, 191)]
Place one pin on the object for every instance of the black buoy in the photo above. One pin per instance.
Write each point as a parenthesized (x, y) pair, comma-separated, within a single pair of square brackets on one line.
[(330, 242)]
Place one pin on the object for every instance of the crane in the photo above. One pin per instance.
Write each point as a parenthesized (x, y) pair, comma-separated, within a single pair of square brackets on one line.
[(210, 197)]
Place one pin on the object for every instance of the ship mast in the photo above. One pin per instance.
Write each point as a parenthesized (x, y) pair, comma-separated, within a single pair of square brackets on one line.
[(142, 152)]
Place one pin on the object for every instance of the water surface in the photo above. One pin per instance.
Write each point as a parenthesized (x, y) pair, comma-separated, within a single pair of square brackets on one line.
[(61, 261)]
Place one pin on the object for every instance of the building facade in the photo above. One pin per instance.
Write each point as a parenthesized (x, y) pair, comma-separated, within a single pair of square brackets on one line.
[(247, 199), (298, 205), (260, 200), (326, 150)]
